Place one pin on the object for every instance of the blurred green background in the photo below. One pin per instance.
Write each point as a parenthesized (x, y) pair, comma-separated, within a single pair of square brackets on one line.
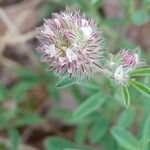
[(36, 115)]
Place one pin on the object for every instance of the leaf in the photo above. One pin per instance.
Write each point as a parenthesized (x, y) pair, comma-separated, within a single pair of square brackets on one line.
[(125, 139), (76, 92), (140, 17), (65, 82), (60, 113), (146, 133), (87, 107), (53, 92), (126, 118), (28, 118), (92, 85), (98, 130), (80, 134), (57, 143), (108, 143), (5, 119), (27, 74), (142, 88), (15, 139), (140, 72), (20, 89), (126, 96)]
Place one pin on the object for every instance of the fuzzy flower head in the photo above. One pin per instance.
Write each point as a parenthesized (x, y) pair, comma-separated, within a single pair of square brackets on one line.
[(130, 59), (71, 44), (118, 66)]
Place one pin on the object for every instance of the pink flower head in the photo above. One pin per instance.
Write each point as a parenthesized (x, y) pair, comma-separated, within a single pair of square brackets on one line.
[(71, 44), (129, 58), (118, 66)]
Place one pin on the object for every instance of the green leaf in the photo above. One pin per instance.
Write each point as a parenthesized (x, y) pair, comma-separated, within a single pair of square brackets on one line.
[(108, 143), (126, 118), (125, 139), (87, 107), (15, 139), (126, 96), (60, 113), (53, 92), (140, 72), (65, 82), (92, 85), (98, 129), (80, 134), (28, 118), (76, 92), (146, 133), (140, 17), (27, 74), (57, 143), (142, 88), (5, 118), (20, 89)]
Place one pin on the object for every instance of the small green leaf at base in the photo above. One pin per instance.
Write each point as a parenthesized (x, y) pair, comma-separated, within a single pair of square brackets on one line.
[(142, 88), (90, 105), (126, 96), (65, 82), (140, 72)]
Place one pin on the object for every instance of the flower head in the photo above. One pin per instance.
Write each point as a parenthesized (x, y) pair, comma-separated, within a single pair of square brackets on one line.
[(118, 66), (129, 59), (71, 44)]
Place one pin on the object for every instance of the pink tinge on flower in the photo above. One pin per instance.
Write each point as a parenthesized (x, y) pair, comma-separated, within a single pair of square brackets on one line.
[(57, 22), (71, 44), (84, 22), (69, 35), (62, 61), (129, 59)]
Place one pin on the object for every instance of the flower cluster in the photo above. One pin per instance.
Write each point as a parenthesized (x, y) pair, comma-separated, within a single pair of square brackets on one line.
[(71, 44), (118, 66)]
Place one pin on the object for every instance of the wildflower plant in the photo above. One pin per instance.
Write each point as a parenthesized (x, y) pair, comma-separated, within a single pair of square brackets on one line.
[(73, 47), (93, 98)]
